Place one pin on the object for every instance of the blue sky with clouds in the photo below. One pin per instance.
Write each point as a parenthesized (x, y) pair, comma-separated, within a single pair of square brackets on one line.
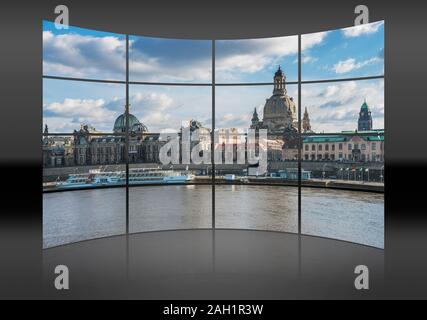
[(335, 106), (83, 53), (344, 53), (76, 52), (67, 104)]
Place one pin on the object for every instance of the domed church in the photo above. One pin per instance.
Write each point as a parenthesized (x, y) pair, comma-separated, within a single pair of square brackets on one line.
[(280, 120), (280, 111), (134, 124), (92, 149)]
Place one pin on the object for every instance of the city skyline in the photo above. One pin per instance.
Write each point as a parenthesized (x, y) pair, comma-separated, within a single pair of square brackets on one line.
[(333, 107)]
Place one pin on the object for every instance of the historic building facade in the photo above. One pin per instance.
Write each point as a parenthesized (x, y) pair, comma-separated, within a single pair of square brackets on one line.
[(90, 147), (345, 146), (57, 151), (362, 145)]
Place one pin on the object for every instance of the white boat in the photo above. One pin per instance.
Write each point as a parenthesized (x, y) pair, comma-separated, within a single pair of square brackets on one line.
[(244, 180), (156, 176), (136, 176), (90, 180), (229, 177)]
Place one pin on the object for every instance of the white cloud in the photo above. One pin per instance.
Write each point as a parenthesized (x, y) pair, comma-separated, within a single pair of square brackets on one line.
[(308, 59), (78, 55), (253, 55), (362, 29), (351, 64), (165, 108), (69, 114), (61, 124), (77, 107), (232, 120), (312, 39), (335, 107), (152, 101), (146, 68)]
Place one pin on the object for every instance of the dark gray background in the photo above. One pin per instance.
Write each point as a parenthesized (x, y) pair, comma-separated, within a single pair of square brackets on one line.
[(20, 93)]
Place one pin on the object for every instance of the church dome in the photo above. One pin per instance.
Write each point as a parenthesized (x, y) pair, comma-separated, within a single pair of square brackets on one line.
[(134, 124), (279, 106)]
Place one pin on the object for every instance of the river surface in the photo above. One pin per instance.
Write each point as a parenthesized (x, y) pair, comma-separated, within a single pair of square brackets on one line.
[(72, 216)]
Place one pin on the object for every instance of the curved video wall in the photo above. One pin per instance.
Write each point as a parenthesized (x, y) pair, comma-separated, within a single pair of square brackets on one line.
[(282, 134)]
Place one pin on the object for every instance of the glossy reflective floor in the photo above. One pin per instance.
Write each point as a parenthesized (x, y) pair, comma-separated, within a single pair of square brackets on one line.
[(206, 264)]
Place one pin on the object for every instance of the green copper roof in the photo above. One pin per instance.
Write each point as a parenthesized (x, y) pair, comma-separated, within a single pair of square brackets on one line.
[(364, 106), (374, 138), (371, 135), (324, 139)]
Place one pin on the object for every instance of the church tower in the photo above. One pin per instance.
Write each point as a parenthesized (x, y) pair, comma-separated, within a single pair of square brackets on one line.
[(45, 137), (255, 120), (365, 118), (279, 83), (306, 127)]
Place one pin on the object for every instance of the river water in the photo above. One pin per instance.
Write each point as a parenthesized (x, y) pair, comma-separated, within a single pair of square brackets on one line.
[(79, 215)]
